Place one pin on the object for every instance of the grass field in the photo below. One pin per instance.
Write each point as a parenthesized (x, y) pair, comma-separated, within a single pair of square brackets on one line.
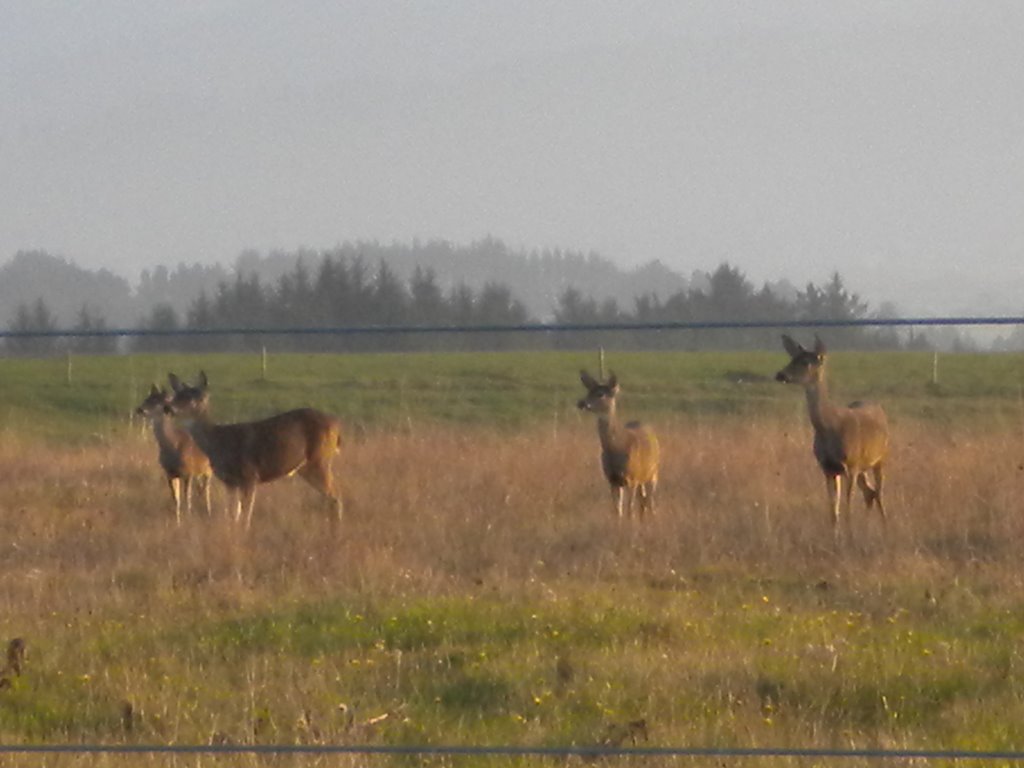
[(479, 590)]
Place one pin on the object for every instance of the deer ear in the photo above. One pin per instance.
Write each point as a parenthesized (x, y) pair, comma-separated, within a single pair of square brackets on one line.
[(613, 382), (175, 382), (819, 346), (588, 381), (153, 390), (791, 346), (203, 383)]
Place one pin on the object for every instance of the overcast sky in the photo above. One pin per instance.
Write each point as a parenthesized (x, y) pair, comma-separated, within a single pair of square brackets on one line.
[(883, 139)]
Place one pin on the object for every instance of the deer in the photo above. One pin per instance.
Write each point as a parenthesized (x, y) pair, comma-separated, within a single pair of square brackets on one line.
[(247, 454), (181, 459), (849, 441), (629, 452)]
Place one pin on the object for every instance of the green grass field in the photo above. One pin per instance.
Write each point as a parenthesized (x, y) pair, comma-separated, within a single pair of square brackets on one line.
[(497, 389), (479, 590)]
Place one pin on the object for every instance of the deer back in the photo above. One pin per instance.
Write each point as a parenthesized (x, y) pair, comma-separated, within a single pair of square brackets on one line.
[(629, 453), (271, 448), (854, 438)]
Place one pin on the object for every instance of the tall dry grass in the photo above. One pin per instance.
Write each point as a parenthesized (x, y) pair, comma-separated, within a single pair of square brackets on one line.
[(436, 509), (92, 557)]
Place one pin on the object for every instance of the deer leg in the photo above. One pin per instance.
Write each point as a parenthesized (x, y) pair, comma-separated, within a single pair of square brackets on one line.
[(646, 491), (870, 495), (879, 474), (247, 499), (206, 494), (320, 477), (175, 486), (617, 500), (850, 479), (833, 484), (186, 490), (238, 494)]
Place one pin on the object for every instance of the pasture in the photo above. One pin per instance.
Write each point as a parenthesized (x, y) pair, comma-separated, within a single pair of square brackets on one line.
[(479, 590)]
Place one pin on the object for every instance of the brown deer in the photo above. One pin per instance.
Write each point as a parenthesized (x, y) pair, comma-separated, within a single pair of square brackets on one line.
[(246, 454), (629, 452), (848, 441), (181, 459)]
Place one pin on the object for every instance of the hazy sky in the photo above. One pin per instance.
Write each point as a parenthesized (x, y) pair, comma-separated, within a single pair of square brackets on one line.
[(883, 139)]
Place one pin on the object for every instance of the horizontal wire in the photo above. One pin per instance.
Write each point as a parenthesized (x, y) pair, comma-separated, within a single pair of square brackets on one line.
[(351, 330)]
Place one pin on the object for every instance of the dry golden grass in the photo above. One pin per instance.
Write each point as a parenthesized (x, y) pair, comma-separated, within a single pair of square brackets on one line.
[(98, 579)]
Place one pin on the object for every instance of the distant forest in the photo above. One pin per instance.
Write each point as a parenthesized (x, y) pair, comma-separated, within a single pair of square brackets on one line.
[(436, 284)]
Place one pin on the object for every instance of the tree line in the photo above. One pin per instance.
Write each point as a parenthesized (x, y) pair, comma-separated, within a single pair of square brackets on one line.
[(728, 296), (341, 292), (346, 292)]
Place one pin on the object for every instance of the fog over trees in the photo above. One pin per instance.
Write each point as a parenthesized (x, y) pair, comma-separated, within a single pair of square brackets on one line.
[(422, 284)]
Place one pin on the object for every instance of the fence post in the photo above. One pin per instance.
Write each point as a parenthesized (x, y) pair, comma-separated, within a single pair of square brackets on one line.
[(935, 368), (67, 370), (263, 363)]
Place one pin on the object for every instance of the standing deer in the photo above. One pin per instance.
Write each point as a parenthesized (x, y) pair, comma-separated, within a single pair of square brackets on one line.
[(180, 457), (629, 452), (244, 455), (848, 441)]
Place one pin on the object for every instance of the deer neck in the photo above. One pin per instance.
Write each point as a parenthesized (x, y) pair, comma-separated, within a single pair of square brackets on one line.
[(608, 429), (823, 413), (201, 427), (164, 430)]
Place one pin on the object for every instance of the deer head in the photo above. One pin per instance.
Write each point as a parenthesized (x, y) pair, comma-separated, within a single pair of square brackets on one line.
[(600, 397), (188, 400), (805, 366), (155, 403)]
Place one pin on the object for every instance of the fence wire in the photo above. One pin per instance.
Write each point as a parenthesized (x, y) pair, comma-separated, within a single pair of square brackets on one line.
[(360, 330)]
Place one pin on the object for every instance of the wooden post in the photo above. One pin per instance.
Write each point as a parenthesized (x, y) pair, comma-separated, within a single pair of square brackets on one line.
[(263, 363), (67, 373), (935, 368)]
